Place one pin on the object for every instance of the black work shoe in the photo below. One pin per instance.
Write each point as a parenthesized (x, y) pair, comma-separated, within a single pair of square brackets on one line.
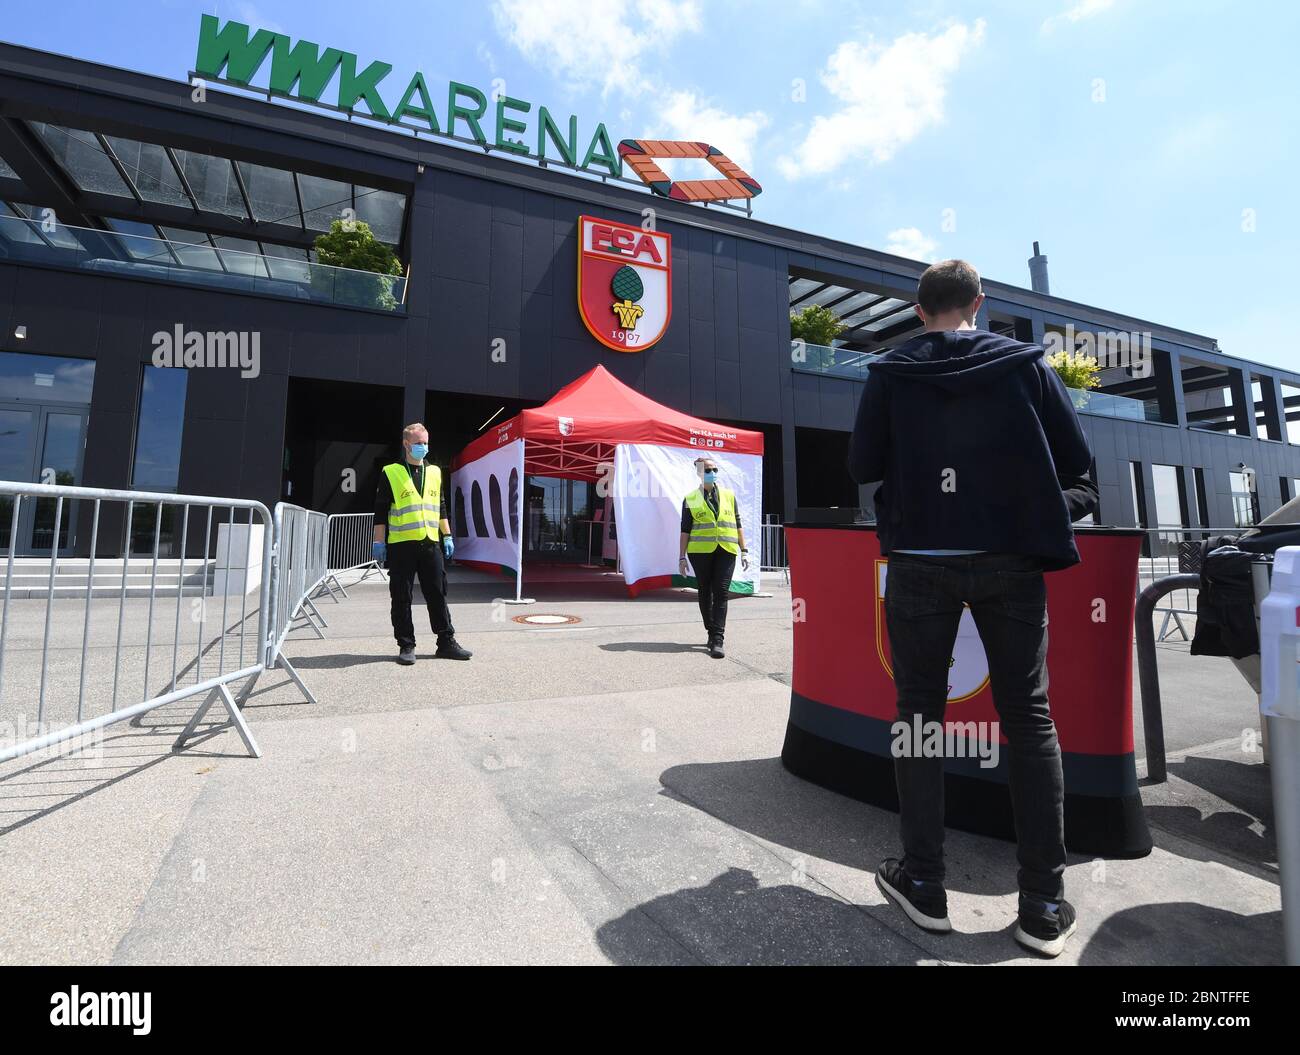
[(1042, 928), (925, 903), (715, 649), (451, 649), (406, 657)]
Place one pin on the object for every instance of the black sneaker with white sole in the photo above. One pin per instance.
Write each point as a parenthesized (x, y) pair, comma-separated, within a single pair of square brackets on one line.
[(925, 903), (1045, 927)]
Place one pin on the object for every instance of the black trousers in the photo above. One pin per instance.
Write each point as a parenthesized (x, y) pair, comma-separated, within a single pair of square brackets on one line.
[(406, 562), (712, 578), (1008, 600)]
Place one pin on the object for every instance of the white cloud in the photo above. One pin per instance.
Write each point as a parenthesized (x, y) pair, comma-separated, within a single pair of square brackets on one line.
[(684, 115), (889, 94), (595, 43), (252, 16), (1081, 10), (911, 243)]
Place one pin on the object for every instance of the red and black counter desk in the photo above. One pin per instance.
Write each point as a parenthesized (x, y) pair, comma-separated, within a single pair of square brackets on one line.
[(843, 704)]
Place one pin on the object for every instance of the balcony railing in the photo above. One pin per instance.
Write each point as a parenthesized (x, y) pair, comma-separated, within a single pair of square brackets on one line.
[(1104, 405), (138, 256), (833, 362), (843, 362)]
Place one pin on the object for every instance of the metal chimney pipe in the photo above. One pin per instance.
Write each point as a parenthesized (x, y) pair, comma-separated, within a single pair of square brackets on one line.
[(1038, 272)]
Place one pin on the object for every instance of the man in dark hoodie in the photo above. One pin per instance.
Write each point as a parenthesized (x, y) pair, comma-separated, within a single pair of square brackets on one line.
[(983, 468)]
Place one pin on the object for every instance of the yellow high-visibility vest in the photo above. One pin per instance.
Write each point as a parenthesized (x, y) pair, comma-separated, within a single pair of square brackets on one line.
[(707, 531), (413, 516)]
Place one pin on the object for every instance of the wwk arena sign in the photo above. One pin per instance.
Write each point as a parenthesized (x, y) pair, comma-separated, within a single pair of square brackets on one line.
[(624, 283)]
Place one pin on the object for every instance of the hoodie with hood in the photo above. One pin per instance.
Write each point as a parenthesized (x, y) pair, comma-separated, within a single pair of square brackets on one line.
[(977, 445)]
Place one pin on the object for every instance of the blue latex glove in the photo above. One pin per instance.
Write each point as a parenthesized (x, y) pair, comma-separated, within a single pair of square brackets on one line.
[(379, 550), (448, 546)]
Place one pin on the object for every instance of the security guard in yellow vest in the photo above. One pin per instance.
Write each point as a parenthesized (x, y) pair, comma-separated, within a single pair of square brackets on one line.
[(712, 538), (409, 526)]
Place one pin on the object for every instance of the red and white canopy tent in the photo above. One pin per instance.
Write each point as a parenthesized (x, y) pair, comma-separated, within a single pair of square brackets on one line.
[(598, 429)]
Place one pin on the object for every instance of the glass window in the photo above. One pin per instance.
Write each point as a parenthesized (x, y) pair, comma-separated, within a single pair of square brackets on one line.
[(271, 193), (1243, 504), (45, 378), (5, 171), (1202, 506), (212, 180), (383, 210), (287, 262), (241, 256), (13, 227), (81, 155), (1169, 496), (323, 200), (142, 242), (50, 229), (193, 248), (157, 463), (151, 171), (1139, 493)]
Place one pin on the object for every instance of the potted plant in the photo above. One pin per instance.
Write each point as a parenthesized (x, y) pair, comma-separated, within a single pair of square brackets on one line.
[(820, 326), (350, 244), (1078, 372)]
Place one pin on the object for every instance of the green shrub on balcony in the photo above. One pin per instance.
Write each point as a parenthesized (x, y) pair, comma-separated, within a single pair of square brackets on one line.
[(368, 263), (816, 325), (1078, 372)]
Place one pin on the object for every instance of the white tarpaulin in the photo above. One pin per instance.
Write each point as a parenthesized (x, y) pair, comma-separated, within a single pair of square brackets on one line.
[(485, 503), (650, 483)]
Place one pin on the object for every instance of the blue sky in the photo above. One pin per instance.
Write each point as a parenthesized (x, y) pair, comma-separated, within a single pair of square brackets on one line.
[(1151, 147)]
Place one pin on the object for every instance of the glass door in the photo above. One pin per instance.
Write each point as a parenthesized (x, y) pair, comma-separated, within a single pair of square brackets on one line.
[(17, 456), (42, 444)]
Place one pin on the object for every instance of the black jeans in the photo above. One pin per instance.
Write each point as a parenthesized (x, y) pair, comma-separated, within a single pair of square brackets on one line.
[(406, 561), (1008, 600), (712, 579)]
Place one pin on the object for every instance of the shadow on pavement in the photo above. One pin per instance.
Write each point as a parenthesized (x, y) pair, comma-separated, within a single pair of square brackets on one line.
[(41, 784), (340, 660), (1245, 832), (650, 646), (1184, 932), (761, 797), (732, 920)]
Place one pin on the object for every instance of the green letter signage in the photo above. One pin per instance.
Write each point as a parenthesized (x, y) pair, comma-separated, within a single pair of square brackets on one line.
[(230, 48)]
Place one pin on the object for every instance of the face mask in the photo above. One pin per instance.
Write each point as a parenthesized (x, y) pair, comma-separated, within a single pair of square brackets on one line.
[(419, 450), (711, 478)]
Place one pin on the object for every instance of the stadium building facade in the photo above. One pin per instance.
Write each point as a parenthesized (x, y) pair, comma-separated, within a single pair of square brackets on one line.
[(144, 225)]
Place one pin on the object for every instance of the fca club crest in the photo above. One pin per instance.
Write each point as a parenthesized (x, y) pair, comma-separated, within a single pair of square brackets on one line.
[(624, 283), (968, 667)]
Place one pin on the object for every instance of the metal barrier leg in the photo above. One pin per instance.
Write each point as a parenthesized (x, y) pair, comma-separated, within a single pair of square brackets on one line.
[(247, 690), (283, 663), (316, 612), (236, 721)]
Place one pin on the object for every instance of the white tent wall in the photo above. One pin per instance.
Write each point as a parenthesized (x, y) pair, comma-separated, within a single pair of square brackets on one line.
[(650, 482), (492, 538)]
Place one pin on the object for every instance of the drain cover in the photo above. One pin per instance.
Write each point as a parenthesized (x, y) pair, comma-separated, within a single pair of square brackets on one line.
[(545, 619)]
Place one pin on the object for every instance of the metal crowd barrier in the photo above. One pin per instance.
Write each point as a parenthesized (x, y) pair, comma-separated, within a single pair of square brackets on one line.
[(299, 567), (1175, 551), (350, 539), (772, 556), (157, 638)]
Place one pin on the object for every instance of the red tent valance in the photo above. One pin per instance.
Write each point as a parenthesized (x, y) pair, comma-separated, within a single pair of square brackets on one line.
[(576, 429)]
